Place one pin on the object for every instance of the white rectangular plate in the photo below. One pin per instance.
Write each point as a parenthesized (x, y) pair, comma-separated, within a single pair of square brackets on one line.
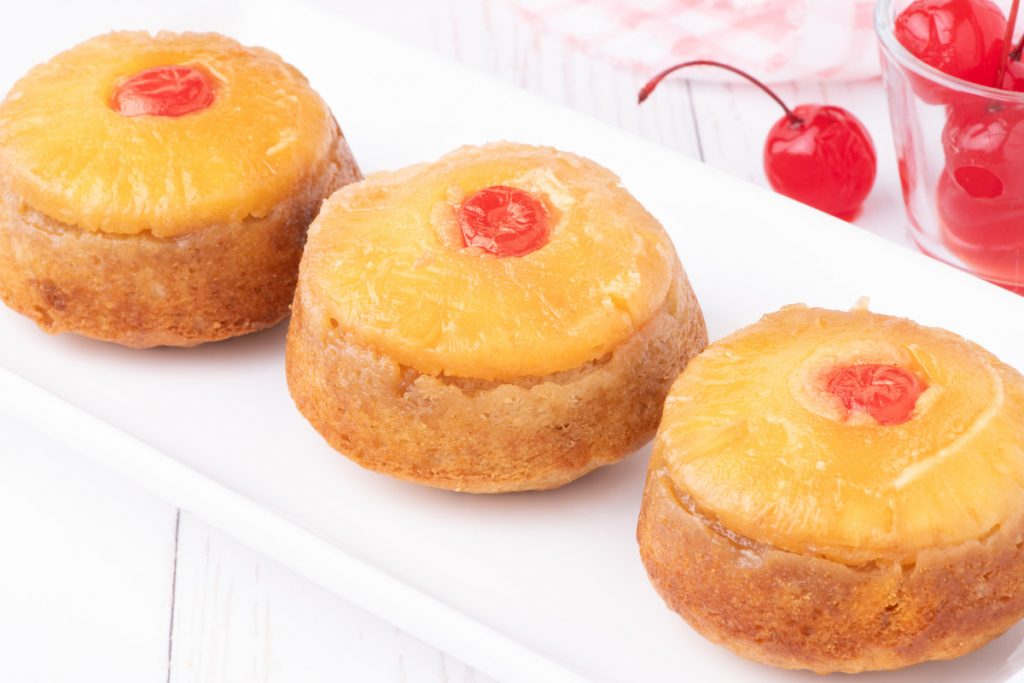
[(544, 586)]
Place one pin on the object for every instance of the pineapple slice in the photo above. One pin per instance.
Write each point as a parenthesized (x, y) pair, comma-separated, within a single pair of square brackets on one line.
[(389, 257), (753, 433), (72, 156)]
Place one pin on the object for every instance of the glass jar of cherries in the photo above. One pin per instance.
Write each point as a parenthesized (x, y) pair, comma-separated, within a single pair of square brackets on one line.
[(955, 84)]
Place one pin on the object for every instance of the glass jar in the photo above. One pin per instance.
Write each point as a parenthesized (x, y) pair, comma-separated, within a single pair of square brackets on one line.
[(960, 150)]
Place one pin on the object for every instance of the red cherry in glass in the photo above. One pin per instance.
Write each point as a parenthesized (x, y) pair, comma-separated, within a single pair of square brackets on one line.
[(504, 221), (163, 91), (980, 194), (963, 38), (819, 155), (887, 393), (987, 234), (983, 143)]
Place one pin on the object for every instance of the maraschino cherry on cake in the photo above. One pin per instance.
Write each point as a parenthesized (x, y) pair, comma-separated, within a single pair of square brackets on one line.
[(156, 189), (840, 491), (505, 318)]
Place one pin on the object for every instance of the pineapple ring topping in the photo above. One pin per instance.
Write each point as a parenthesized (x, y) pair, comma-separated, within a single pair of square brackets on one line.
[(163, 91), (162, 134), (504, 221), (757, 432), (390, 262), (887, 393)]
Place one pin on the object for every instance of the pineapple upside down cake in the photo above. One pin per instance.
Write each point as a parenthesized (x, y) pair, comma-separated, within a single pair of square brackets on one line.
[(506, 318), (840, 491), (156, 189)]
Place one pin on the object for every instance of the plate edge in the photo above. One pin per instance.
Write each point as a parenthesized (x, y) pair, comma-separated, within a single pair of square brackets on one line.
[(286, 542)]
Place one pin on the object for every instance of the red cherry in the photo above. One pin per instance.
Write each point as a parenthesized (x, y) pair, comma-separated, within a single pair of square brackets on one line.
[(963, 38), (163, 91), (504, 221), (887, 393), (987, 234), (819, 155), (823, 157), (980, 194), (983, 143)]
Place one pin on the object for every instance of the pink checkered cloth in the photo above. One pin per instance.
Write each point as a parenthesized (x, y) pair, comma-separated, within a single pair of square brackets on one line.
[(778, 40)]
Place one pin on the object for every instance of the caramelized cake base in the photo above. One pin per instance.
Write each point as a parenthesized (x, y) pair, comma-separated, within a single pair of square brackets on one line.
[(215, 282), (488, 436)]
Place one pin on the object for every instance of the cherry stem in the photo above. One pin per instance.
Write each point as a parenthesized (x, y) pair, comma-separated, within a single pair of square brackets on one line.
[(646, 91), (1007, 38)]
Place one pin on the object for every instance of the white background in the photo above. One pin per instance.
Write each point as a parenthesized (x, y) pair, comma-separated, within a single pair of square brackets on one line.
[(101, 582)]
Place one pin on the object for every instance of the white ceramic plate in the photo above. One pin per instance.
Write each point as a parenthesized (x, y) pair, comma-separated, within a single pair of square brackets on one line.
[(530, 587)]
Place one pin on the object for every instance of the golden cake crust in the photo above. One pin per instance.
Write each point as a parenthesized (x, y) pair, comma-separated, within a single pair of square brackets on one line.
[(802, 534), (488, 436), (799, 611), (140, 291)]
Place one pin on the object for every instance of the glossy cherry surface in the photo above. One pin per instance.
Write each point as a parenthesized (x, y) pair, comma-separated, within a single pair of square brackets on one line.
[(504, 221), (983, 144), (819, 155), (822, 156), (164, 91), (963, 38), (887, 393)]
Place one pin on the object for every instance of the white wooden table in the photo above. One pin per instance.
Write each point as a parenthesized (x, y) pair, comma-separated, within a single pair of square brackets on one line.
[(99, 581)]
